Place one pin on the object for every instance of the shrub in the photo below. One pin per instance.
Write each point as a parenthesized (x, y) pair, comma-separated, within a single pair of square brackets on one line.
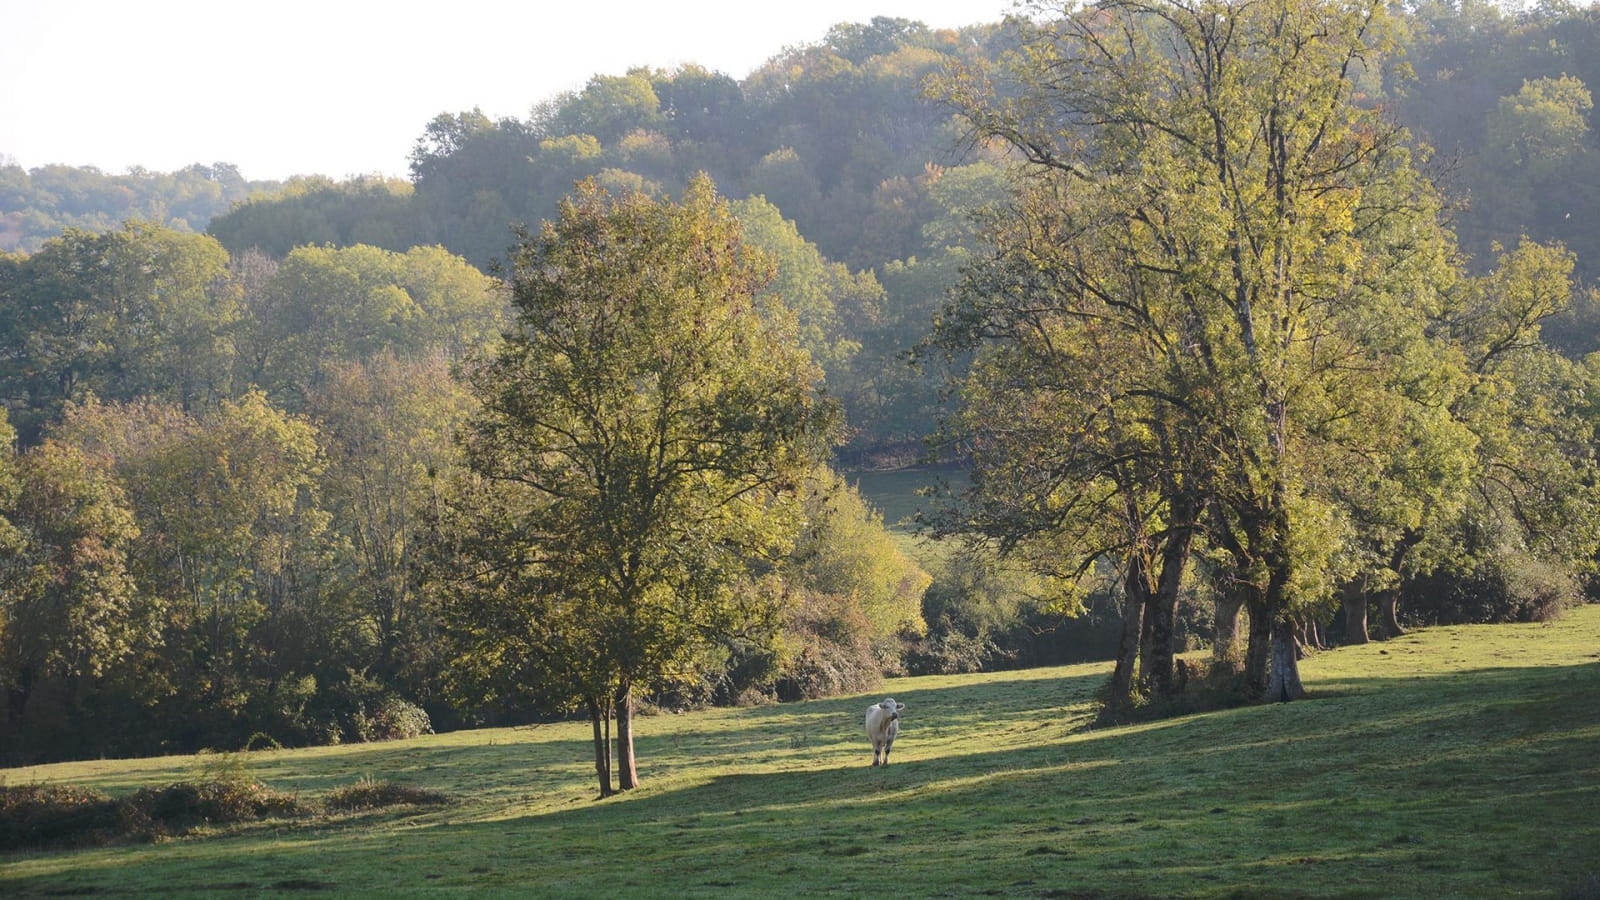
[(56, 816), (947, 651), (34, 816), (1508, 587), (392, 719), (834, 652), (370, 794), (179, 807)]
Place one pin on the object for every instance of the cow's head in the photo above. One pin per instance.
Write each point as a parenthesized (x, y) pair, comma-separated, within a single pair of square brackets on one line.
[(892, 708)]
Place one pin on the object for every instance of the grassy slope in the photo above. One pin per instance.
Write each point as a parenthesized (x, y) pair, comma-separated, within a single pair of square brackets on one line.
[(1455, 762)]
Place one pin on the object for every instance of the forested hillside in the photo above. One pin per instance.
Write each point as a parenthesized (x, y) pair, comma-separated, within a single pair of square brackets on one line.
[(39, 204), (238, 502)]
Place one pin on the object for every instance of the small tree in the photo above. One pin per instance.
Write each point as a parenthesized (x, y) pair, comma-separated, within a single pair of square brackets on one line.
[(655, 421)]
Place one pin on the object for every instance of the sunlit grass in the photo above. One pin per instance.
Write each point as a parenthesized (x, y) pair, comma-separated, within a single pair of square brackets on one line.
[(1454, 762)]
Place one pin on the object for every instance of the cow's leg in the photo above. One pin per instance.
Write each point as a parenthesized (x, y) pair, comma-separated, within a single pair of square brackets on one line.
[(887, 746)]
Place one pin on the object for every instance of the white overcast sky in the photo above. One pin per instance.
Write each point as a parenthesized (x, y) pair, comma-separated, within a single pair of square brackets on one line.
[(344, 87)]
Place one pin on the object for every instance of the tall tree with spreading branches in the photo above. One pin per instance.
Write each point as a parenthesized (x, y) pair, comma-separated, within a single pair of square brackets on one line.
[(650, 418), (1224, 260)]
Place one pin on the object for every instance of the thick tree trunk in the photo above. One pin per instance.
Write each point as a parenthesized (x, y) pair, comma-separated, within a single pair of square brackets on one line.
[(1355, 613), (1272, 667), (1155, 653), (1389, 613), (1389, 600), (627, 769), (1258, 652), (602, 744), (1162, 615), (1227, 649), (1283, 682), (1135, 597)]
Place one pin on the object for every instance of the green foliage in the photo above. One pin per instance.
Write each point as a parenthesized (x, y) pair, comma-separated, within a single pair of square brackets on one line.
[(318, 210), (643, 435), (608, 107), (69, 609), (851, 596), (391, 719), (827, 649), (1506, 586), (323, 304), (830, 304), (387, 431), (68, 314), (39, 204), (845, 551), (1444, 453), (1221, 298), (1542, 127)]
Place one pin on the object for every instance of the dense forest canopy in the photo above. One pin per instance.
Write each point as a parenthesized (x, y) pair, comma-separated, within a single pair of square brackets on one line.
[(234, 500)]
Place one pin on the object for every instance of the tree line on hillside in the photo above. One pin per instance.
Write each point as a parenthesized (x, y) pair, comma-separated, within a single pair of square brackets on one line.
[(1225, 356), (228, 484), (839, 137), (41, 203)]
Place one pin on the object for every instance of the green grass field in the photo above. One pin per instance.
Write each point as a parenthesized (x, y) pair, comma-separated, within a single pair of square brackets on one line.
[(1453, 762)]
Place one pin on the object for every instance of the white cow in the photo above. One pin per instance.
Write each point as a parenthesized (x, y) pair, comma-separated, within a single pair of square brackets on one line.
[(883, 726)]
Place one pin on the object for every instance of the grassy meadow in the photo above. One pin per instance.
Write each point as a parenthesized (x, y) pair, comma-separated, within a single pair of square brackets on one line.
[(1453, 762)]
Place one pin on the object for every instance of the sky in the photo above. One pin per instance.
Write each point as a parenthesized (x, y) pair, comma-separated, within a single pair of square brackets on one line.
[(345, 87)]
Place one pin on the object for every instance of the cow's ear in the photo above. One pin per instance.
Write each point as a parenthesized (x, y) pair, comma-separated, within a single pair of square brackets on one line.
[(899, 706)]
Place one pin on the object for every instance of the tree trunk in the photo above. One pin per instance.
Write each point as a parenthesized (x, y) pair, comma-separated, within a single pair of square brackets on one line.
[(1226, 649), (1308, 637), (1389, 600), (1272, 667), (1162, 614), (1355, 613), (602, 744), (1258, 652), (627, 769), (18, 693), (1389, 613), (1284, 680), (1135, 594)]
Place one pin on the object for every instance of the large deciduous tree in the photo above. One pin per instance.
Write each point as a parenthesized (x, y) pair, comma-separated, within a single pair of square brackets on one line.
[(1236, 256), (648, 424)]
